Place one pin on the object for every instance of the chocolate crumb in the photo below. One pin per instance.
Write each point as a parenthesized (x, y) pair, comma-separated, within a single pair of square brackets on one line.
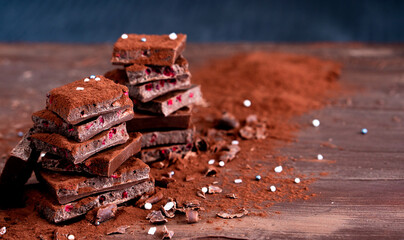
[(231, 195), (228, 121), (105, 213), (192, 216), (210, 171), (214, 189), (241, 213), (167, 234)]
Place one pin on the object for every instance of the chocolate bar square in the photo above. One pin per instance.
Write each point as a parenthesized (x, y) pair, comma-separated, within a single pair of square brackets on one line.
[(156, 50), (142, 121), (171, 101), (49, 122), (103, 163), (87, 98), (156, 138), (78, 152), (67, 188)]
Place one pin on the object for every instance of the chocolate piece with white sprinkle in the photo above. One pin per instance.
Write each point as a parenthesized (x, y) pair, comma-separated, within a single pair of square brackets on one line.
[(78, 152), (172, 101)]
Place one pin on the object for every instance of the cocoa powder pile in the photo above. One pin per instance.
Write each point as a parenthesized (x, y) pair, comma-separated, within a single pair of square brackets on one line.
[(280, 87)]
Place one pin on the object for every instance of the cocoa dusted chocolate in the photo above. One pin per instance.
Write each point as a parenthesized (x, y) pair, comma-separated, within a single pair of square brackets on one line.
[(172, 101), (142, 121), (103, 163), (154, 154), (67, 187), (87, 98), (55, 212), (158, 50), (156, 138), (78, 152), (137, 74), (49, 122)]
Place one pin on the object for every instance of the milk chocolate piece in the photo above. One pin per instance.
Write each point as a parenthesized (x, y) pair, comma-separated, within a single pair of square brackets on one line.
[(156, 138), (137, 74), (48, 122), (171, 101), (149, 155), (148, 91), (156, 50), (67, 188), (78, 152), (141, 121), (102, 164), (56, 213), (87, 98)]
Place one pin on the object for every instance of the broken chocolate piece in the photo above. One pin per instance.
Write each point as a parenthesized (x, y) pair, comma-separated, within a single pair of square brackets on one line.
[(103, 163), (201, 194), (158, 50), (68, 188), (231, 195), (105, 213), (48, 122), (228, 121), (155, 198), (167, 234), (172, 101), (247, 132), (80, 100), (118, 230), (192, 216), (164, 153), (151, 139), (214, 189), (156, 217), (229, 153), (211, 171), (78, 152), (56, 213), (168, 213), (180, 119), (241, 213)]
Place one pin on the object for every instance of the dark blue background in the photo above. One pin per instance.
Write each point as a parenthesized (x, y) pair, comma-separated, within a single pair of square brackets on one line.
[(203, 20)]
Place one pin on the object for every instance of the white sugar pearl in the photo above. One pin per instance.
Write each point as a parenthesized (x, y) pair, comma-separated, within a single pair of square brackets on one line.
[(247, 103), (143, 39), (211, 161), (168, 206), (278, 169), (124, 36), (152, 231), (320, 157), (43, 154), (92, 76), (170, 174), (79, 88), (221, 163), (272, 188), (148, 206), (71, 237), (234, 142), (297, 180), (238, 180), (97, 79), (86, 80), (172, 36), (204, 189), (316, 122)]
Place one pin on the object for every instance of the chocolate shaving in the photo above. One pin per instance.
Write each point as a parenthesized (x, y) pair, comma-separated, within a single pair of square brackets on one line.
[(156, 217), (170, 213), (189, 178), (164, 182), (192, 216), (191, 203), (210, 171), (229, 153), (241, 213), (105, 213), (214, 189), (231, 195), (158, 165), (228, 121), (217, 146), (201, 145), (155, 198), (247, 132), (118, 230), (201, 194), (167, 234)]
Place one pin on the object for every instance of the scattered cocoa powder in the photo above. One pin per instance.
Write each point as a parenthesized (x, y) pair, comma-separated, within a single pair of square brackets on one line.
[(280, 87)]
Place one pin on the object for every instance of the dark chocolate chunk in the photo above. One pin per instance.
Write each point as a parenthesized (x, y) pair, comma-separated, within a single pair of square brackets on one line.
[(156, 217), (149, 155), (180, 119), (56, 213), (48, 122), (228, 121), (103, 163), (172, 101), (241, 213), (67, 188), (164, 181), (192, 216), (156, 138), (157, 50), (78, 152), (87, 98)]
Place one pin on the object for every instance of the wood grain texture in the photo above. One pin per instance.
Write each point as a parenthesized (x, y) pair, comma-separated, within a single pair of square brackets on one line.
[(362, 197)]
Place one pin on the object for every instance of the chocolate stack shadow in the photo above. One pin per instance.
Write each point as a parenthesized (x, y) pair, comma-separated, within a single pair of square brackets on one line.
[(159, 84), (87, 154)]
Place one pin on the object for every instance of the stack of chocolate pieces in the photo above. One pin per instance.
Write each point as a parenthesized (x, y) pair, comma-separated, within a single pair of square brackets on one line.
[(159, 84), (89, 159)]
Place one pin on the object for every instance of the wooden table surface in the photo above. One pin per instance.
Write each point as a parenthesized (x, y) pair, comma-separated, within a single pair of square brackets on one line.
[(361, 197)]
